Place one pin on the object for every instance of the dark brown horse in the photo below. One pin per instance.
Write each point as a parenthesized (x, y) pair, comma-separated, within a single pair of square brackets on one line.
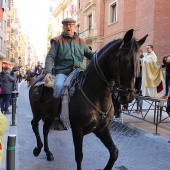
[(90, 108)]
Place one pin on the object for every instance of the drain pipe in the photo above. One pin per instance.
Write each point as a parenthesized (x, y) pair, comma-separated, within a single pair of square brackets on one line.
[(104, 1)]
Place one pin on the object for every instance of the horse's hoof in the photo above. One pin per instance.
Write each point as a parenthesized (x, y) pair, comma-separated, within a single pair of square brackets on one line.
[(50, 157), (36, 151)]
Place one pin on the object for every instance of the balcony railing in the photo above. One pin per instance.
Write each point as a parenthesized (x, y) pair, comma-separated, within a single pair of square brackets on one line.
[(12, 60), (88, 33)]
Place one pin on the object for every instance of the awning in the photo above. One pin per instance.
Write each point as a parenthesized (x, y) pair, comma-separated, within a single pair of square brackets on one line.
[(7, 64)]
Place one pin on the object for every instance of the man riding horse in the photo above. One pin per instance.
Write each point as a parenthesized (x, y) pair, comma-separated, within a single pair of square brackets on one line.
[(66, 53)]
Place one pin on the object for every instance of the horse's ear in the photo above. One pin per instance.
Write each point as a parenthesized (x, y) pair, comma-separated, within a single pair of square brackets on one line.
[(142, 40), (128, 36)]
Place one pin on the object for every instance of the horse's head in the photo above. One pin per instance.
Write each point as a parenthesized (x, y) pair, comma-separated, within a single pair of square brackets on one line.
[(128, 66)]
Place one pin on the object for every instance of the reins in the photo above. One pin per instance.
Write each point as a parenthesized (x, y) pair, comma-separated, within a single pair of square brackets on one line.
[(102, 76), (99, 71), (104, 114)]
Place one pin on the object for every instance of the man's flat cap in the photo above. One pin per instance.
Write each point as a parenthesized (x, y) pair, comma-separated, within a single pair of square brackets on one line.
[(68, 20)]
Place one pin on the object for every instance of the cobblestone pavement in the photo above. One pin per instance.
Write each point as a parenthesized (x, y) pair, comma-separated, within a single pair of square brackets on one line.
[(137, 151)]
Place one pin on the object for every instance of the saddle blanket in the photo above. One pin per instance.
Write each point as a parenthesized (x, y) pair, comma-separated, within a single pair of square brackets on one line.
[(65, 97)]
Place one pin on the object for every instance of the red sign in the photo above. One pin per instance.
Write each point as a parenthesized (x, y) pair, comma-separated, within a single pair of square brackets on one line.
[(5, 65), (1, 13)]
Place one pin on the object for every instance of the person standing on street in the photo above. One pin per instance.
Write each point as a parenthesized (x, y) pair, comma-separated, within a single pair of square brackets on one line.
[(166, 64), (14, 74), (7, 87), (138, 81), (38, 70), (66, 53), (152, 74)]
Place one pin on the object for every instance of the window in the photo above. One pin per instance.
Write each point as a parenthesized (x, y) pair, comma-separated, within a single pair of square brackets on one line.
[(7, 53), (4, 26), (1, 43), (78, 5), (78, 29), (113, 12), (4, 46), (51, 9), (90, 22), (8, 5), (1, 3)]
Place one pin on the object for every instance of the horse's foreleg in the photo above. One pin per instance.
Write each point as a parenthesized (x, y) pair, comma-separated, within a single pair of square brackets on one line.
[(35, 129), (46, 128), (106, 139), (78, 142)]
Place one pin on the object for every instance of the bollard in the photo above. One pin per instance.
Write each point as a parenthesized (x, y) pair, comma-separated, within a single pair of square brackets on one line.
[(13, 107), (10, 156)]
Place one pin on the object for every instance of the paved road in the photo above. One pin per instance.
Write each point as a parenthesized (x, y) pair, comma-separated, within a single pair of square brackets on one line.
[(137, 150)]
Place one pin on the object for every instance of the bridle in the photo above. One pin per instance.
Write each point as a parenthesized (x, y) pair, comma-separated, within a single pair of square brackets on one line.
[(118, 87), (102, 76)]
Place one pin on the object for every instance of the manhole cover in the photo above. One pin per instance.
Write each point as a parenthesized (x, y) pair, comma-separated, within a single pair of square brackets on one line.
[(122, 129), (121, 168)]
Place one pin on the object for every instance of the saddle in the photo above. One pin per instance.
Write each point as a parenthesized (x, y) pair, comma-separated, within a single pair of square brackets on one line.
[(67, 92), (38, 88)]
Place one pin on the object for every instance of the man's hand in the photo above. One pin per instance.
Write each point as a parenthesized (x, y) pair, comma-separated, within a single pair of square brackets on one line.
[(48, 77)]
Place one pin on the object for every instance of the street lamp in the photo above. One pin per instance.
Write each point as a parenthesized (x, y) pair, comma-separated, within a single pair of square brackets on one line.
[(19, 58)]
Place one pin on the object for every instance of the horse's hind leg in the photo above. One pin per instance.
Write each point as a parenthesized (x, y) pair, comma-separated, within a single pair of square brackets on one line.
[(106, 138), (35, 129), (78, 142), (46, 128)]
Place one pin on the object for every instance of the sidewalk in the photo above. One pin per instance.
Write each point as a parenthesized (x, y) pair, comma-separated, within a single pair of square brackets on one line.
[(141, 125), (10, 130)]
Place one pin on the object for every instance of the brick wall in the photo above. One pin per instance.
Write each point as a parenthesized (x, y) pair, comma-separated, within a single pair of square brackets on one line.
[(145, 16)]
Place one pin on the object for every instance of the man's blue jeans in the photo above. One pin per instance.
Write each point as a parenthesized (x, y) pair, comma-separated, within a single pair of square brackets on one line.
[(5, 102), (59, 83)]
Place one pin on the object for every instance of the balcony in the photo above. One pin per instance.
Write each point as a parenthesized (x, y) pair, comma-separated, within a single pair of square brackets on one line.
[(8, 45), (13, 48), (9, 13), (12, 60), (12, 3), (88, 35), (8, 29), (12, 16), (12, 31)]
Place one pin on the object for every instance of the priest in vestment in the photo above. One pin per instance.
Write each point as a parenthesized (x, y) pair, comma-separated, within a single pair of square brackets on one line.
[(152, 74)]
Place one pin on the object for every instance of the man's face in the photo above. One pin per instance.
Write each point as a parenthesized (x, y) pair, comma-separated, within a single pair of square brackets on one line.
[(8, 71), (149, 49), (69, 28), (167, 59)]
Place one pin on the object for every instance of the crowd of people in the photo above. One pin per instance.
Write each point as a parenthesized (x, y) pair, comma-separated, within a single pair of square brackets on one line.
[(8, 84), (150, 81)]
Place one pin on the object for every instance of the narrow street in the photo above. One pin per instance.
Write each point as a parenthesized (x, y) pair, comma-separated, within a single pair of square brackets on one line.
[(138, 150)]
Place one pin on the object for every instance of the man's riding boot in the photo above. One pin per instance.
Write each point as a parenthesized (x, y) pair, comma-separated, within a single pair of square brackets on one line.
[(56, 108)]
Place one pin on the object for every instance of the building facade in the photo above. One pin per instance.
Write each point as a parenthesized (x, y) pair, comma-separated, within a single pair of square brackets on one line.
[(14, 45), (100, 21)]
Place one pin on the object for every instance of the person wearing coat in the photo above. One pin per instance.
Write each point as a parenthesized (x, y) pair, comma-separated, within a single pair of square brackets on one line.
[(66, 53), (3, 128), (14, 74), (7, 87)]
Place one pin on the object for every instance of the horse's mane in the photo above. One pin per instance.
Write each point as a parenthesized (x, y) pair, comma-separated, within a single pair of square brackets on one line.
[(111, 48), (108, 47)]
